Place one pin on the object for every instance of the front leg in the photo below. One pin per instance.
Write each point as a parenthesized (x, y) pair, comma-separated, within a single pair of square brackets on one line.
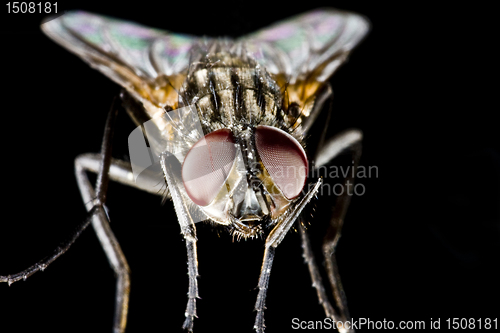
[(190, 237), (265, 274), (272, 241), (171, 167)]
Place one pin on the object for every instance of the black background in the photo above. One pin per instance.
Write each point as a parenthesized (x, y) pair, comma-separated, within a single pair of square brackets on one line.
[(423, 241)]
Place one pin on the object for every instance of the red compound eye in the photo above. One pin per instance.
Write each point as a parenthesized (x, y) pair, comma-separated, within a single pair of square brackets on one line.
[(207, 165), (284, 159)]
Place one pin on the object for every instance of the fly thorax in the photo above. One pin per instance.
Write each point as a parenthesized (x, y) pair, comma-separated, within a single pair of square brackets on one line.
[(230, 90)]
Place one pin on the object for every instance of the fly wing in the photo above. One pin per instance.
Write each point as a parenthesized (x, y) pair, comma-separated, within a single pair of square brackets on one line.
[(304, 51), (310, 44), (150, 64), (147, 62)]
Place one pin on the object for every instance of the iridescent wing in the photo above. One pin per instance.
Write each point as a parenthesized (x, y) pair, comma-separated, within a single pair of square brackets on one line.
[(310, 44), (304, 51), (151, 65), (147, 62)]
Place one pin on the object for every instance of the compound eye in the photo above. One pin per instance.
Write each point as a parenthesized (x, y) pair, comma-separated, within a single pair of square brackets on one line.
[(207, 165), (284, 159)]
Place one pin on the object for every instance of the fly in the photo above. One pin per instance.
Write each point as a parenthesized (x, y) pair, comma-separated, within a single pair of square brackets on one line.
[(222, 124)]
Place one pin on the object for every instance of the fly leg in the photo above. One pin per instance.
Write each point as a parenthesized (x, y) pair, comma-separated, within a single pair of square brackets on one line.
[(172, 172), (272, 241), (265, 274), (94, 201), (45, 262), (347, 140), (317, 282), (193, 281), (107, 168), (121, 171), (97, 198)]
